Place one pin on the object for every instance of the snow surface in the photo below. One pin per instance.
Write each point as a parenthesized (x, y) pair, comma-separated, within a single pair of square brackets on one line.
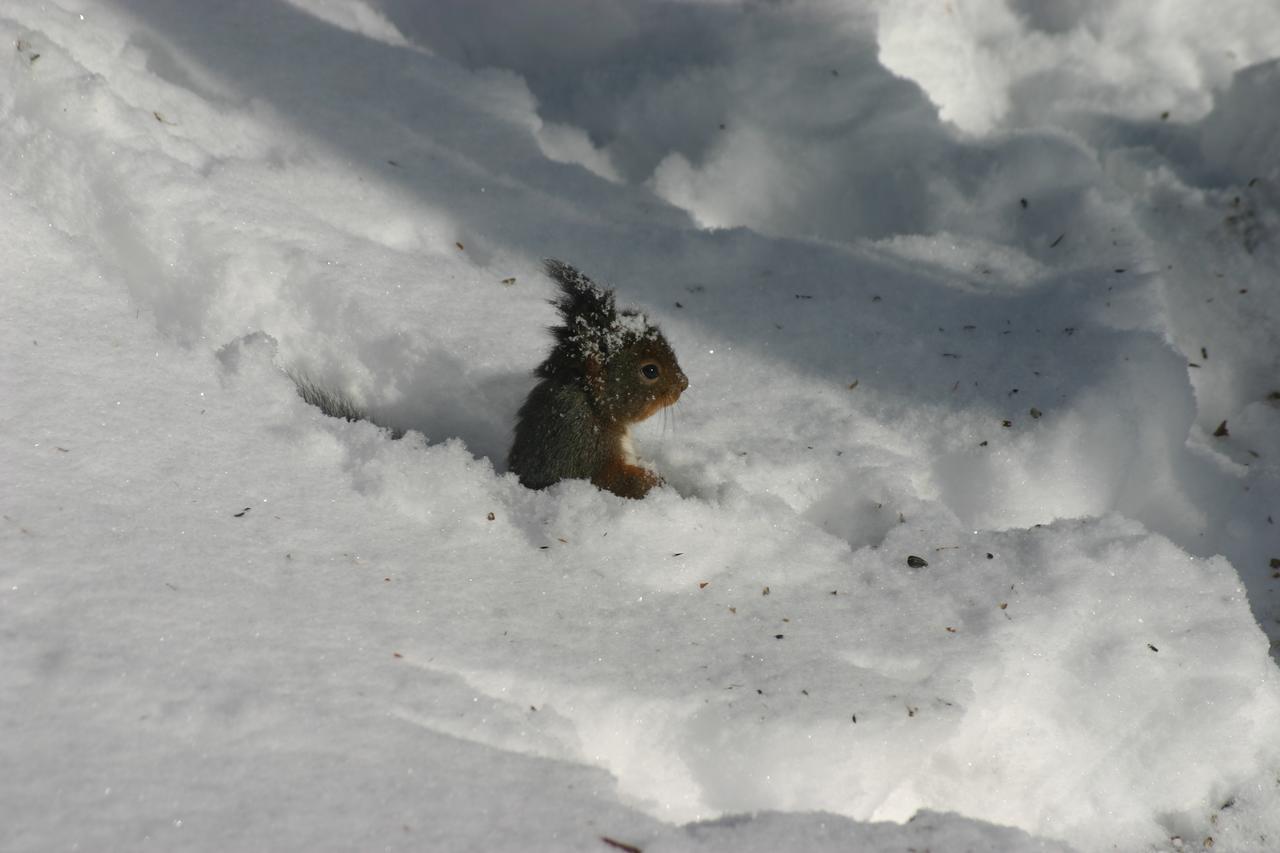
[(973, 282)]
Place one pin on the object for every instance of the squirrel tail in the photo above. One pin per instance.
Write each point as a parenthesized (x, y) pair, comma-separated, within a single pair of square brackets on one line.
[(581, 300)]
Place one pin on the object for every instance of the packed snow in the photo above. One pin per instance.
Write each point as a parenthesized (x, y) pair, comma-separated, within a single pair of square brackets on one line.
[(969, 539)]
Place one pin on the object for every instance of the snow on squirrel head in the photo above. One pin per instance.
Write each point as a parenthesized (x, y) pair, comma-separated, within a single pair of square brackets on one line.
[(623, 360)]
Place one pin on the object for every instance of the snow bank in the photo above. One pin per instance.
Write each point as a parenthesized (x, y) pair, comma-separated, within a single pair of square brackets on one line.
[(949, 532)]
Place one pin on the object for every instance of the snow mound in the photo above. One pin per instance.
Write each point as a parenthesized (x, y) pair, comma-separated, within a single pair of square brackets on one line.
[(971, 504)]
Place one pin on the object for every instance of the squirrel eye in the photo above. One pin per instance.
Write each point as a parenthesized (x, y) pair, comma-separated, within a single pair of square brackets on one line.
[(649, 370)]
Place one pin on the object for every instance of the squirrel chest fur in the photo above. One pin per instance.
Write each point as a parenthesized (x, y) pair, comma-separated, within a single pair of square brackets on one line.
[(607, 370)]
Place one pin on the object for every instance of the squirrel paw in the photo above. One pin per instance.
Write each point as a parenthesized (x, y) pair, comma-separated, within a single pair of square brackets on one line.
[(626, 480)]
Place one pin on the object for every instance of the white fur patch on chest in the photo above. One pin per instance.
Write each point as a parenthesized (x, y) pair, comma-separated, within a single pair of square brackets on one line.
[(628, 449), (629, 452)]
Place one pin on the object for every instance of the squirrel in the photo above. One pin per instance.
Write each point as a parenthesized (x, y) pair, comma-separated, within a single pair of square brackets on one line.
[(606, 371)]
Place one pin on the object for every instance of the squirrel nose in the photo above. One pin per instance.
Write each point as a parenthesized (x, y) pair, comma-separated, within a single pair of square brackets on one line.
[(684, 382)]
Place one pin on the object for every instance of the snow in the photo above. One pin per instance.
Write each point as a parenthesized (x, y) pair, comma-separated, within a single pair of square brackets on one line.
[(975, 283)]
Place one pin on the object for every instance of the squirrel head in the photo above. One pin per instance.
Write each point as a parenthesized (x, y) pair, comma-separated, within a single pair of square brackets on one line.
[(621, 359)]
